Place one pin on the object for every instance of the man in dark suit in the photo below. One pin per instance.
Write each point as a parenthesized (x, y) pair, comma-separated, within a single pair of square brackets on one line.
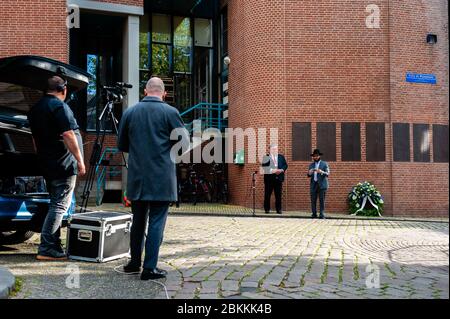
[(144, 133), (274, 166), (318, 171)]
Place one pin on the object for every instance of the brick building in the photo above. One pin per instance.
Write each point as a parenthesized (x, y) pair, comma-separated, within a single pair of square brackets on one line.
[(340, 75)]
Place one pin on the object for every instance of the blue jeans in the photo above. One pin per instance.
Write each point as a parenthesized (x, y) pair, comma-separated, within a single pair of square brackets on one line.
[(61, 191), (155, 214)]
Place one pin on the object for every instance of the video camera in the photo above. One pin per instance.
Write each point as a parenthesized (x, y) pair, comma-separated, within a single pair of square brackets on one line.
[(115, 93)]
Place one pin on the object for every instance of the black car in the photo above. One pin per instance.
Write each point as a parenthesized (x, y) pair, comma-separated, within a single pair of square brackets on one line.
[(23, 196)]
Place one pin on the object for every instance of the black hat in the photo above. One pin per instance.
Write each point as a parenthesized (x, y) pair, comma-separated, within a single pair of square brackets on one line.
[(316, 152)]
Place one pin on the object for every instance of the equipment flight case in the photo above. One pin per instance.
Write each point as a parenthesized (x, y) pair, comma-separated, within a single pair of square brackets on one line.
[(99, 236)]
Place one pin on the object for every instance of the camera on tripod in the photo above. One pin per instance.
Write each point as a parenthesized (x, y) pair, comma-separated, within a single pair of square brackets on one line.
[(112, 95), (115, 93)]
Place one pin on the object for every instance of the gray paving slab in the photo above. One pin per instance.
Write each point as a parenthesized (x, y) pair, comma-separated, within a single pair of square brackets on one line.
[(7, 282)]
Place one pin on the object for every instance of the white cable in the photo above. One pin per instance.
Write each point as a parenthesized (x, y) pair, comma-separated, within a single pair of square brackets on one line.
[(116, 269)]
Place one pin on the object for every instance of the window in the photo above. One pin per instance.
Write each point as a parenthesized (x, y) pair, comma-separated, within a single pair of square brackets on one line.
[(160, 59), (301, 141), (144, 42), (203, 33), (182, 45), (144, 53), (326, 140), (223, 75), (161, 29), (440, 143), (375, 142), (351, 142), (161, 56), (99, 67), (92, 68), (17, 142), (402, 152), (224, 37), (183, 88), (421, 142)]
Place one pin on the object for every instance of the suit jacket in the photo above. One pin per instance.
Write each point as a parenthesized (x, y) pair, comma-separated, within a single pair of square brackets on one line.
[(268, 164), (144, 133), (322, 179)]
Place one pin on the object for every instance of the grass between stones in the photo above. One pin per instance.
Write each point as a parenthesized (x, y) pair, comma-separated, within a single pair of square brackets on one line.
[(356, 274), (324, 275), (18, 285), (341, 268), (309, 266), (390, 271)]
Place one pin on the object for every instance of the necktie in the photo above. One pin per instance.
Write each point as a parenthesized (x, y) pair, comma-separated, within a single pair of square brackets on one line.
[(315, 173)]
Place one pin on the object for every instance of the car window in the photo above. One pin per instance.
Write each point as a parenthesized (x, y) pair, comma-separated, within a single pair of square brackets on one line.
[(18, 97), (11, 141)]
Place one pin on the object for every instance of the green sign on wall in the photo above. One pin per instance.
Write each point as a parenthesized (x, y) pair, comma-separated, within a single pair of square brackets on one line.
[(239, 158)]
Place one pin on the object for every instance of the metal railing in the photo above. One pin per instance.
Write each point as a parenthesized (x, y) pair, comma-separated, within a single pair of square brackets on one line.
[(210, 115), (103, 171)]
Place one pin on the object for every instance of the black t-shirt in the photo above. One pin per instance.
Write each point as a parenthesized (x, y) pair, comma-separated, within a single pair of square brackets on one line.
[(48, 119)]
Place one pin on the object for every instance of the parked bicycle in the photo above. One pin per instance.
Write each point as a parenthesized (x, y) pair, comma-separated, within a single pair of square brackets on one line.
[(220, 185), (195, 187)]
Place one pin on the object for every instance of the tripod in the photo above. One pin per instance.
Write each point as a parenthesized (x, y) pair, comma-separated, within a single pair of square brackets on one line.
[(106, 116)]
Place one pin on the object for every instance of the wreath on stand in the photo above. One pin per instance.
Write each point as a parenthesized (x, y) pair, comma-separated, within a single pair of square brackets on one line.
[(365, 200)]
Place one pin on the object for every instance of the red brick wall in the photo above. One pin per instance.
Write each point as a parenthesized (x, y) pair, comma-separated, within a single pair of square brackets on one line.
[(309, 61), (316, 61), (36, 27), (419, 188)]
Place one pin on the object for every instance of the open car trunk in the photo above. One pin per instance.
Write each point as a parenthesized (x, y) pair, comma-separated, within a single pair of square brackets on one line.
[(20, 176), (24, 199), (23, 80)]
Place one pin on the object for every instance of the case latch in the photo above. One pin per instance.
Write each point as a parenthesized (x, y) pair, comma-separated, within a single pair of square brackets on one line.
[(108, 230), (128, 227)]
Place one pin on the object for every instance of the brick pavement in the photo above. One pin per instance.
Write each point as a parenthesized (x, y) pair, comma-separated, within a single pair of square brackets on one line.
[(235, 257), (218, 257)]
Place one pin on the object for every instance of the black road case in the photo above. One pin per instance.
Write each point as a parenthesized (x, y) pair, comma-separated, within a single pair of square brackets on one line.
[(99, 236)]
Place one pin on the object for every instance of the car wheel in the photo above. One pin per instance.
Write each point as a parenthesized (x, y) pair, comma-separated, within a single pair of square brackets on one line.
[(15, 237)]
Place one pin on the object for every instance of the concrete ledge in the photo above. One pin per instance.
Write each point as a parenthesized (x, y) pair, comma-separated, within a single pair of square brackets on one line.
[(7, 282), (297, 216), (107, 7), (222, 210)]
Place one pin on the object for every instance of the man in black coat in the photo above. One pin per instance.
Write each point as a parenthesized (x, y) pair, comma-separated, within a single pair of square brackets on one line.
[(274, 166), (145, 133), (318, 171)]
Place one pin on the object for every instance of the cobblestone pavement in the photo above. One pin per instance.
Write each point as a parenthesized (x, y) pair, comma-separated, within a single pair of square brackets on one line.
[(56, 280), (220, 257), (225, 257)]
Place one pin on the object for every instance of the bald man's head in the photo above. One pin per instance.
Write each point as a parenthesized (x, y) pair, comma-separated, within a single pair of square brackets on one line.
[(155, 87)]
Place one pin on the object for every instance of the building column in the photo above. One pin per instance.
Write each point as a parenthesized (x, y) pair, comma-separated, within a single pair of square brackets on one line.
[(130, 69), (131, 59)]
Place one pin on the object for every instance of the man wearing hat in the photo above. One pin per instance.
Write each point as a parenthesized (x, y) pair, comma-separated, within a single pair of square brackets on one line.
[(318, 172)]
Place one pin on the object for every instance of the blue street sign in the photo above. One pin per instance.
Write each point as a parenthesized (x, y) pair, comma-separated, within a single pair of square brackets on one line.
[(421, 78)]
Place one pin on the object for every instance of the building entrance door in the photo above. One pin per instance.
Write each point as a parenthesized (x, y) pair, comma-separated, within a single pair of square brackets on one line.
[(202, 75), (97, 47)]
